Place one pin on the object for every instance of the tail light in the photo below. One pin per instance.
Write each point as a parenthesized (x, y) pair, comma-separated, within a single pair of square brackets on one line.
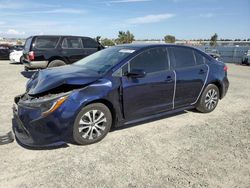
[(31, 56), (225, 68)]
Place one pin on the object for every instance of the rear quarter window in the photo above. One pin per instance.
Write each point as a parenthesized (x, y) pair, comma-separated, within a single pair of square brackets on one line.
[(89, 43), (72, 43), (46, 42), (199, 58)]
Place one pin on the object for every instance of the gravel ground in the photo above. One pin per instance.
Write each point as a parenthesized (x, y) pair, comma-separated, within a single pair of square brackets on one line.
[(186, 150)]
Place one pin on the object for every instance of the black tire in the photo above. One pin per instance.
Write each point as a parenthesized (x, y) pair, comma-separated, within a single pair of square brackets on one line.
[(244, 61), (56, 63), (21, 59), (26, 68), (83, 136), (247, 62), (209, 99)]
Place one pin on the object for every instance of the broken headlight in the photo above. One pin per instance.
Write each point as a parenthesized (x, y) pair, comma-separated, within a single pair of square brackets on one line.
[(46, 104)]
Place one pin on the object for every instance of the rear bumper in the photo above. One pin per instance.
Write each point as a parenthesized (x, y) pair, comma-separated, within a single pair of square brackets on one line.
[(35, 64)]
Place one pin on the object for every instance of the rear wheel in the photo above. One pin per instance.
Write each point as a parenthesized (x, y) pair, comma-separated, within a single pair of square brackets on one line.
[(248, 61), (92, 124), (209, 99), (56, 63)]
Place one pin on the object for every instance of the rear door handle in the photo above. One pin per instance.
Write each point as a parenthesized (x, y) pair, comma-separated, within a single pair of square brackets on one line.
[(169, 79)]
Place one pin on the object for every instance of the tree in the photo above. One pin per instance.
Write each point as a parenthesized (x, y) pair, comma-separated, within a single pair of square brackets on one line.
[(125, 37), (169, 39), (107, 42), (213, 40)]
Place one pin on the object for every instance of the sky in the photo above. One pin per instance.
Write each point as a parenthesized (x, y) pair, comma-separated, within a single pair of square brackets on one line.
[(146, 19)]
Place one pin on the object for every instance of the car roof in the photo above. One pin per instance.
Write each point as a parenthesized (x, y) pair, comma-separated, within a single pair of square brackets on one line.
[(149, 45), (57, 36), (143, 46)]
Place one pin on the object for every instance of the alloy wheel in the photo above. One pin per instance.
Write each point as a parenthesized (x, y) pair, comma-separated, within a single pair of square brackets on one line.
[(92, 124), (211, 99)]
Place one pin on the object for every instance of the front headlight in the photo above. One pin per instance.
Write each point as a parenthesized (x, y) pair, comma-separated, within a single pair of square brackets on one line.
[(47, 105), (49, 108)]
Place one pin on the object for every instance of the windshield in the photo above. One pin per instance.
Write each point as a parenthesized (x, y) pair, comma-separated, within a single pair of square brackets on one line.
[(102, 61)]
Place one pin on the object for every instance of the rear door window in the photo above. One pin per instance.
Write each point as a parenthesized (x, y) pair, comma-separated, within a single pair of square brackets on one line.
[(46, 42), (89, 43), (184, 57), (72, 43), (151, 61)]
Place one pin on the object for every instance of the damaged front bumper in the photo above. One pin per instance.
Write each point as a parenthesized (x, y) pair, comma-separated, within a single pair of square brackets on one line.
[(33, 135), (33, 129)]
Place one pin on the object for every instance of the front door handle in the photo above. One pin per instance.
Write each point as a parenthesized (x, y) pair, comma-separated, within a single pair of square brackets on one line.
[(169, 79)]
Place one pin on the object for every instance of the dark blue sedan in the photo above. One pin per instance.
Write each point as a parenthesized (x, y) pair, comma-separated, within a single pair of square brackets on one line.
[(120, 85)]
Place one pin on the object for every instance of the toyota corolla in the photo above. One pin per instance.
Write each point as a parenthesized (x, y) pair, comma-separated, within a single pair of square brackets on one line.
[(120, 85)]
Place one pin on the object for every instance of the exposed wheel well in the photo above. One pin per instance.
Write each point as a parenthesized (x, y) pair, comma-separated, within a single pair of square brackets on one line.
[(110, 107), (218, 84), (57, 58)]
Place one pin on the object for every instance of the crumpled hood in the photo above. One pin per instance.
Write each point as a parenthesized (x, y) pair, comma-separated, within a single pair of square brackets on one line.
[(51, 78)]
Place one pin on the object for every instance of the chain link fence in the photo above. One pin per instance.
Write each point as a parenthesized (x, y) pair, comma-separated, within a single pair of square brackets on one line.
[(228, 54)]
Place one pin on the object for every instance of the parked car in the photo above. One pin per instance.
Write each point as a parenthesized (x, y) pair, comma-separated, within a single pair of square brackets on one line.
[(16, 48), (114, 87), (16, 56), (4, 51), (52, 51), (246, 58)]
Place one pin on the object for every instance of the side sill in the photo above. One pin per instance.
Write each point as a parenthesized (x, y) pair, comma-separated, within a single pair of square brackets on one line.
[(156, 115)]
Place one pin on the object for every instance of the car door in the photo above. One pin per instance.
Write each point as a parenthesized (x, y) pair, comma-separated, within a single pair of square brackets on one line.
[(72, 49), (152, 93), (191, 73)]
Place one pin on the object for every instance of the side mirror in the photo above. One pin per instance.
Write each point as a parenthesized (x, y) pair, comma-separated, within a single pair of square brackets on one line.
[(136, 73)]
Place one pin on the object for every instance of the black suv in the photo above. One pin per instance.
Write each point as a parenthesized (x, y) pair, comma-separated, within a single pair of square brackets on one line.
[(52, 51)]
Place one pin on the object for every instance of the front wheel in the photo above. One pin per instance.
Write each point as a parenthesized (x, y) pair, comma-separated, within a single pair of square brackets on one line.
[(92, 124), (209, 99)]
